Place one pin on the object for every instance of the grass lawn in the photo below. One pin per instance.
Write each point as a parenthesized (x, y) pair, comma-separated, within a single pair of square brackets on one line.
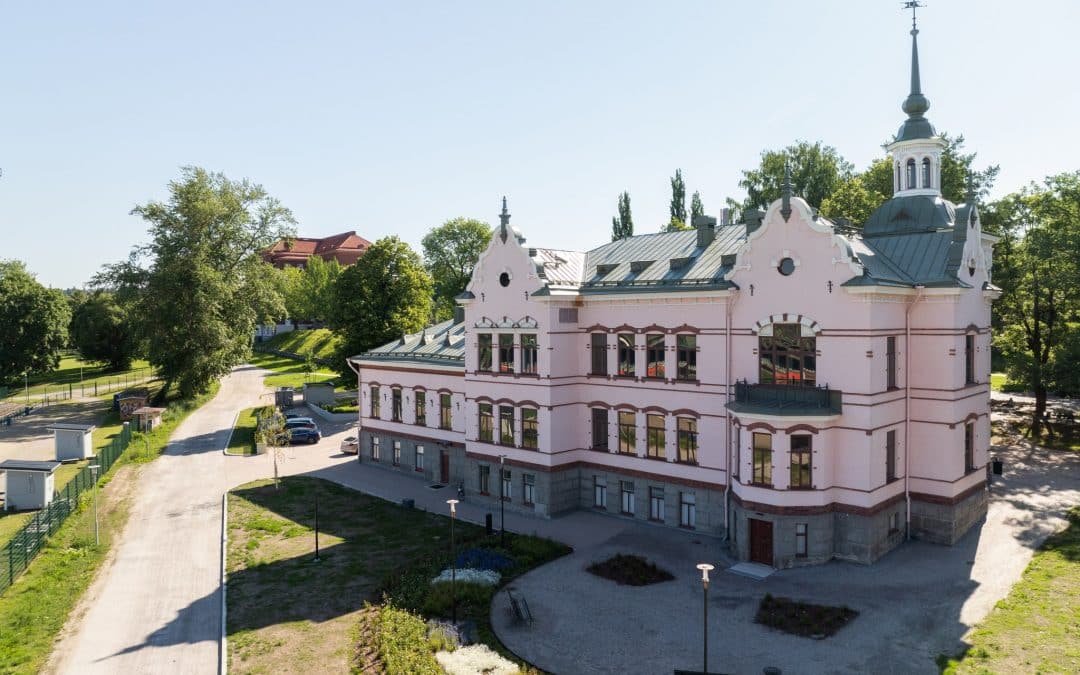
[(1037, 627), (290, 373), (83, 380), (287, 613), (35, 608), (242, 441), (320, 341)]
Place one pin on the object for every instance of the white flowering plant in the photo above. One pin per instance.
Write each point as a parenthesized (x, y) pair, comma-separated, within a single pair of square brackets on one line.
[(470, 575)]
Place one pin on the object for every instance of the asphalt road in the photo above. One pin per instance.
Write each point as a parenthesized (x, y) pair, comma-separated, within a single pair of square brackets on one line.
[(157, 607)]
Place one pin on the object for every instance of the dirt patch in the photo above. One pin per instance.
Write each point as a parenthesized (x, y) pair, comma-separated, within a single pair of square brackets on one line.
[(802, 618), (629, 570)]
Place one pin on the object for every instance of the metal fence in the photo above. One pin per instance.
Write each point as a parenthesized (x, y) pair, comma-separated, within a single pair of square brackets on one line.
[(18, 553)]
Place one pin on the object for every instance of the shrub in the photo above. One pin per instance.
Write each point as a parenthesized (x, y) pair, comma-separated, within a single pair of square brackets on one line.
[(402, 643), (801, 618), (471, 598)]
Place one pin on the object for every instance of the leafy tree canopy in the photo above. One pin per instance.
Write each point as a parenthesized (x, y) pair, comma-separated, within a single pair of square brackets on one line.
[(816, 171), (35, 323), (450, 254), (622, 225), (385, 294), (102, 330), (1037, 268), (199, 287)]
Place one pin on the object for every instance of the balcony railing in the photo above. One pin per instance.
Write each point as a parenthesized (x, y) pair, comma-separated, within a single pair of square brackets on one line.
[(783, 399)]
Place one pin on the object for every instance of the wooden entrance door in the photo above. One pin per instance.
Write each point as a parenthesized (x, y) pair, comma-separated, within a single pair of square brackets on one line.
[(761, 546), (444, 467)]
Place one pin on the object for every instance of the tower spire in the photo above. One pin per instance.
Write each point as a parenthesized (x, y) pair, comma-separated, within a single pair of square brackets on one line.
[(504, 221), (785, 192), (916, 104)]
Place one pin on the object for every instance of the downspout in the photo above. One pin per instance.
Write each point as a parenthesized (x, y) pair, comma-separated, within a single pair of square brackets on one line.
[(919, 288), (727, 396), (353, 366)]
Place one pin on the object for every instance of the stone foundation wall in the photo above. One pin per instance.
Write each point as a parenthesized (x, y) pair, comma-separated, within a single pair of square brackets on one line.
[(946, 523)]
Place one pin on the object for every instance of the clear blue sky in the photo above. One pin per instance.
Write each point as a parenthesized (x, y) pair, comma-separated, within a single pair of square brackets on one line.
[(391, 117)]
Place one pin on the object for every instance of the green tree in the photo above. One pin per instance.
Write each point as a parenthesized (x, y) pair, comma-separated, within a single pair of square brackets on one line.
[(200, 286), (677, 208), (102, 330), (288, 283), (878, 178), (696, 207), (1040, 278), (35, 323), (385, 294), (957, 166), (816, 171), (315, 289), (622, 226), (852, 200), (450, 254)]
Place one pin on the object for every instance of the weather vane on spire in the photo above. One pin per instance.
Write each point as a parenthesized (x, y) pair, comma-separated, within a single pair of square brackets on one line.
[(913, 5)]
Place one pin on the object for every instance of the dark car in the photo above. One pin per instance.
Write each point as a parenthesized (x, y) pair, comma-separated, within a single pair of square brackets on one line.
[(301, 422), (304, 435)]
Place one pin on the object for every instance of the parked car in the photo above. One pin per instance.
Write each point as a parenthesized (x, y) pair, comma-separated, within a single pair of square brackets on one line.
[(350, 445), (304, 435), (301, 422), (291, 415)]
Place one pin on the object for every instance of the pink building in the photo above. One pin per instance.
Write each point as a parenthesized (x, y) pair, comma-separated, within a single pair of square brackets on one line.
[(807, 390)]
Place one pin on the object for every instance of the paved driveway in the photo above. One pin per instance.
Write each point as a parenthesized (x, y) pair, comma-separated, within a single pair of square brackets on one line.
[(915, 603), (157, 607)]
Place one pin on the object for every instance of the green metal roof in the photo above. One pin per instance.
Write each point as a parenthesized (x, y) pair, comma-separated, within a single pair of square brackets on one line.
[(443, 343)]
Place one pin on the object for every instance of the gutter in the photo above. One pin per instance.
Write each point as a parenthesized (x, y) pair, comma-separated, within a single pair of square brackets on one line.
[(727, 396), (907, 406)]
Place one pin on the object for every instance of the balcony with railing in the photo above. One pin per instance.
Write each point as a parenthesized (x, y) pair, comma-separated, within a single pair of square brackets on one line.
[(786, 400)]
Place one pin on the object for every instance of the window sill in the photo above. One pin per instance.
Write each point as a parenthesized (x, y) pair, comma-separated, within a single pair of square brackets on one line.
[(420, 470), (656, 520), (626, 513), (687, 462), (686, 380), (445, 429), (531, 447), (656, 458), (603, 375), (527, 504), (532, 375), (686, 527), (625, 377), (801, 488), (654, 378), (484, 494), (762, 485), (599, 449)]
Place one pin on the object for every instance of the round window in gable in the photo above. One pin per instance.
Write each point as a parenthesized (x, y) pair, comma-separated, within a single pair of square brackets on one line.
[(504, 279), (786, 267)]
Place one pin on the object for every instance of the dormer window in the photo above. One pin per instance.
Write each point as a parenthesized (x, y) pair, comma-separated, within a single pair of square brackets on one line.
[(926, 172), (911, 177)]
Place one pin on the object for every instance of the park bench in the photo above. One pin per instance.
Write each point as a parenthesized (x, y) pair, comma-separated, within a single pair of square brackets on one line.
[(519, 607)]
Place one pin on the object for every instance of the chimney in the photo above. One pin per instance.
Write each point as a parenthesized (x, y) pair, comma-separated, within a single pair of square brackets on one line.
[(459, 314), (753, 218), (706, 230), (725, 216)]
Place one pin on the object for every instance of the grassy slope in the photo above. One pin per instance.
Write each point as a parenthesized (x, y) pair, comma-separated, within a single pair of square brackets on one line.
[(35, 608), (321, 341), (290, 373), (1037, 627)]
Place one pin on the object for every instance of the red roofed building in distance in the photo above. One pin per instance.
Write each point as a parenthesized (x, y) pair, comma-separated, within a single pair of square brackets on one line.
[(346, 248)]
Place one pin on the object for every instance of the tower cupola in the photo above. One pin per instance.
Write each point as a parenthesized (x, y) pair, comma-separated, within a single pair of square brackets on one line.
[(916, 150)]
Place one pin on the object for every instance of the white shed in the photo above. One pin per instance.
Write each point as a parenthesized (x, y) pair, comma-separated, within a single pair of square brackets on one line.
[(29, 484), (73, 441)]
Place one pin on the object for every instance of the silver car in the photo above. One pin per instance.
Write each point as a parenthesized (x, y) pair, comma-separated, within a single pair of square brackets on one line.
[(350, 445)]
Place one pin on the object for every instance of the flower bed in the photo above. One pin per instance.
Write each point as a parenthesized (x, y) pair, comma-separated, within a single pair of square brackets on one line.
[(475, 659), (803, 618), (469, 576), (629, 570), (484, 559)]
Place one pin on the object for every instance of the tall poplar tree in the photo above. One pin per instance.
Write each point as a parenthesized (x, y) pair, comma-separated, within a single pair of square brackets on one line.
[(622, 226), (677, 209)]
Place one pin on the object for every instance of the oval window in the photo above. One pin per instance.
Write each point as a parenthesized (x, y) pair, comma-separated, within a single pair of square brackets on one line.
[(504, 279), (786, 267)]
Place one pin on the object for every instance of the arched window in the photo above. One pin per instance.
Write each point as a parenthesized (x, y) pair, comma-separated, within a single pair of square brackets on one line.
[(926, 172), (912, 183)]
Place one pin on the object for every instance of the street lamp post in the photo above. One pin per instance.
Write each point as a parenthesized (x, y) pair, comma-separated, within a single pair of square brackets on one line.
[(93, 474), (453, 562), (502, 502), (705, 569)]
